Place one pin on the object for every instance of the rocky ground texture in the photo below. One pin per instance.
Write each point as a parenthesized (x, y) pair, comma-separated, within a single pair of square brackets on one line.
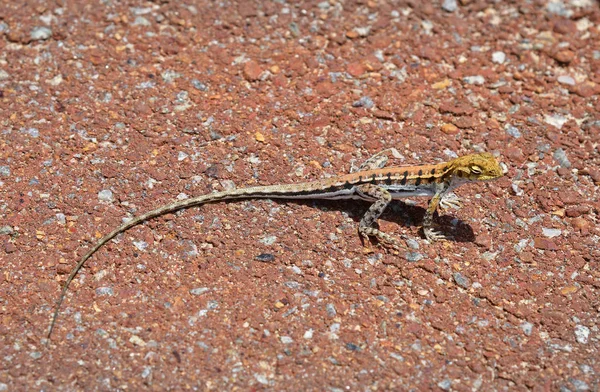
[(111, 108)]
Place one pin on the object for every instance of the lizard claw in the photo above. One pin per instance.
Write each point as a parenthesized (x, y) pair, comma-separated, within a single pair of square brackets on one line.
[(435, 235), (450, 201)]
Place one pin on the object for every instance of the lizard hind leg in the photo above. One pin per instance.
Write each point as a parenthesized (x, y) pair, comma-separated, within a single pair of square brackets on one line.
[(380, 198), (379, 160)]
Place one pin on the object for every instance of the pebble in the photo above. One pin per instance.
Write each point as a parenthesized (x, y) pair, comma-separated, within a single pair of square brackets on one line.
[(309, 334), (105, 195), (268, 240), (450, 5), (477, 80), (527, 328), (582, 334), (498, 57), (551, 233), (265, 257), (363, 102), (445, 384), (141, 21), (41, 33), (330, 308), (556, 120), (566, 79), (413, 244), (252, 71), (199, 290), (543, 243), (561, 157), (6, 230), (286, 340), (512, 131), (413, 257), (140, 245), (461, 280), (4, 171), (580, 224), (105, 291), (199, 85)]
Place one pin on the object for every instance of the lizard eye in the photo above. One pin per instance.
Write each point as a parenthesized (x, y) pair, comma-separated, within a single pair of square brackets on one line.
[(476, 170)]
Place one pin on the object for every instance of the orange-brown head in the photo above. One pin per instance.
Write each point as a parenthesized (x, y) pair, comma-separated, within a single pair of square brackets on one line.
[(475, 167)]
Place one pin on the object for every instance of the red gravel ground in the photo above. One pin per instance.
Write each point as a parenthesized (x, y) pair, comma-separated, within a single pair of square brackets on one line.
[(112, 108)]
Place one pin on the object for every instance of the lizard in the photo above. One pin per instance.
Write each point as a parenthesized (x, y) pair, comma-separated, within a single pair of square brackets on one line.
[(372, 183)]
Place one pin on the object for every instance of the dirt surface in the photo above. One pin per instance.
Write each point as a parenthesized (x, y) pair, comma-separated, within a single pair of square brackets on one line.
[(112, 108)]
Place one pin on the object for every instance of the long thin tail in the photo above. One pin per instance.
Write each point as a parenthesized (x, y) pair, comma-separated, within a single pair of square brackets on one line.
[(124, 227), (274, 191)]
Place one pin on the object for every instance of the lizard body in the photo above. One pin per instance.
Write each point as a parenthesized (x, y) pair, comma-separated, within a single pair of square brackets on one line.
[(373, 182)]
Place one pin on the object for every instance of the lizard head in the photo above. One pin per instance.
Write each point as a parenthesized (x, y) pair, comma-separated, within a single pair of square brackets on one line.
[(476, 167)]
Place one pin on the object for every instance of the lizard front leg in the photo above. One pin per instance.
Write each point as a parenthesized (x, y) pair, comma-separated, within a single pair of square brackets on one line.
[(380, 198), (430, 233)]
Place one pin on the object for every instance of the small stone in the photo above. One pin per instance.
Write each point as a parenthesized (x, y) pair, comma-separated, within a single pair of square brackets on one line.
[(308, 334), (527, 328), (574, 212), (330, 308), (544, 243), (199, 85), (461, 280), (286, 340), (413, 257), (512, 131), (556, 120), (566, 79), (9, 247), (568, 290), (595, 175), (441, 85), (580, 224), (6, 229), (4, 171), (564, 56), (498, 57), (252, 71), (445, 384), (105, 291), (365, 102), (356, 69), (265, 258), (565, 26), (561, 157), (105, 195), (137, 341), (199, 290), (587, 89), (582, 334), (450, 5), (141, 21), (259, 137), (41, 33), (450, 129), (551, 233), (477, 80)]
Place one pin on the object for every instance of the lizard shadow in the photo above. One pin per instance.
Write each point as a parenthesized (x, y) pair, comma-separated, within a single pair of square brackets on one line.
[(401, 213)]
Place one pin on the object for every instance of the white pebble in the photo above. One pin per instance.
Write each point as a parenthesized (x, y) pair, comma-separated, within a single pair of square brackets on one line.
[(105, 195), (498, 57), (566, 79), (551, 233), (582, 334)]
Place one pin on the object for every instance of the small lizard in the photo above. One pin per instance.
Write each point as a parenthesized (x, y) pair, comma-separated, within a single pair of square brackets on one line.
[(372, 182)]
